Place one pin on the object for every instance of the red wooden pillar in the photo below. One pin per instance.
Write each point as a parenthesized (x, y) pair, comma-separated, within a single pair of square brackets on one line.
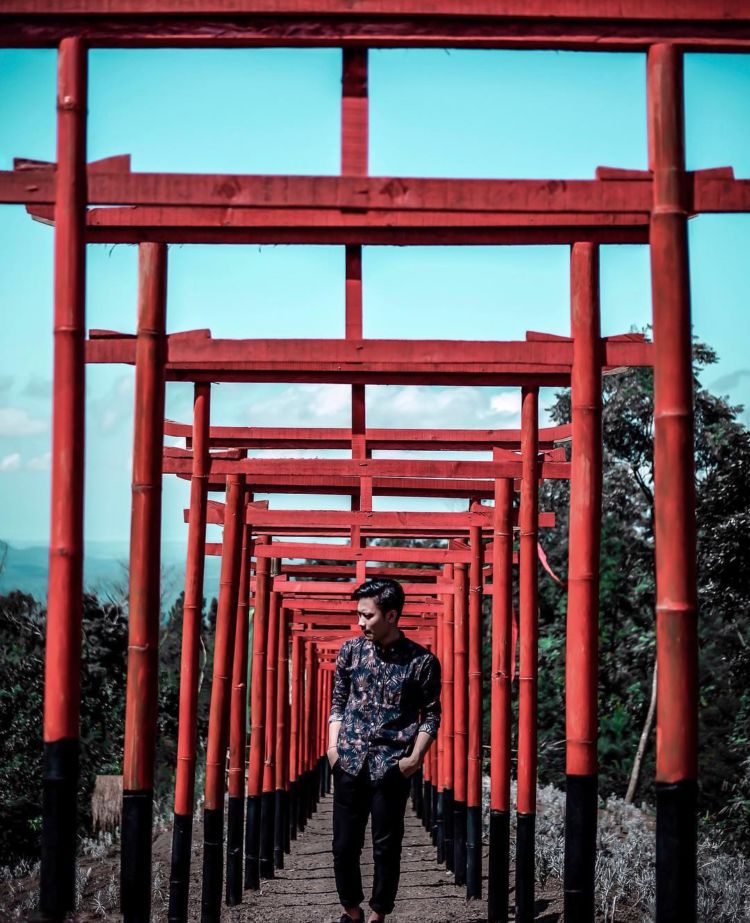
[(282, 762), (257, 719), (62, 664), (238, 732), (312, 694), (218, 718), (192, 610), (267, 802), (144, 608), (582, 631), (500, 703), (439, 836), (474, 754), (674, 497), (294, 734), (527, 675), (447, 722), (460, 718), (354, 142)]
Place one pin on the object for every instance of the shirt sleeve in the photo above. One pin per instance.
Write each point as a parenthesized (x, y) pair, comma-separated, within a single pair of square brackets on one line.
[(430, 684), (341, 684)]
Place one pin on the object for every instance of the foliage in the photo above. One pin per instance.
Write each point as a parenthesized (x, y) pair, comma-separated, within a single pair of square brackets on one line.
[(103, 677), (627, 596)]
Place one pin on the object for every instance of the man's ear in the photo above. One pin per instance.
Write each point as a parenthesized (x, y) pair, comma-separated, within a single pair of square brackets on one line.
[(391, 616)]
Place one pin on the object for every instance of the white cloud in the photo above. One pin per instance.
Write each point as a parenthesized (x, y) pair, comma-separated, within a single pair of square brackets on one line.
[(11, 462), (111, 409), (14, 421), (40, 462), (303, 405)]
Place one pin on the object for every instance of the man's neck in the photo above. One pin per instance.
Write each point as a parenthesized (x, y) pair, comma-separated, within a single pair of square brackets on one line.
[(391, 638)]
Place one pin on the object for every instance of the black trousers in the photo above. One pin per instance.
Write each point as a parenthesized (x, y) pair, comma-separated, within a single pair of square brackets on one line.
[(355, 798)]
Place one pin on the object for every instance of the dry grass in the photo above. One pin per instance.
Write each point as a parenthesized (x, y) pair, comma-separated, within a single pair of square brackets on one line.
[(625, 864), (106, 802)]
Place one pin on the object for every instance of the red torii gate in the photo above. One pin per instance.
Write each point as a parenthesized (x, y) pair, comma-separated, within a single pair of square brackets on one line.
[(661, 201)]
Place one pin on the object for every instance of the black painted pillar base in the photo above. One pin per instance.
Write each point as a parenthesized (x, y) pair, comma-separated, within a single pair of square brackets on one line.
[(440, 829), (329, 777), (287, 824), (427, 806), (135, 856), (235, 830), (179, 878), (525, 868), (417, 793), (448, 828), (580, 847), (323, 786), (474, 852), (278, 828), (252, 844), (213, 862), (302, 803), (498, 878), (433, 816), (59, 809), (293, 810), (267, 820), (459, 842), (676, 887)]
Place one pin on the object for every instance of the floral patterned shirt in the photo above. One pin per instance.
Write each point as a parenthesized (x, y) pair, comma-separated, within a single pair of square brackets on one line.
[(383, 696)]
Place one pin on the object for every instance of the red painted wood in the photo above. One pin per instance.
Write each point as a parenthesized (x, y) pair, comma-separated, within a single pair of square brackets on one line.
[(585, 24), (63, 649), (582, 626), (528, 610), (377, 439), (192, 610), (141, 701), (218, 720), (674, 493), (500, 684)]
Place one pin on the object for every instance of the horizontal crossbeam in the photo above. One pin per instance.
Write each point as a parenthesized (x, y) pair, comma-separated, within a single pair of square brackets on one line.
[(196, 356), (428, 440), (574, 24)]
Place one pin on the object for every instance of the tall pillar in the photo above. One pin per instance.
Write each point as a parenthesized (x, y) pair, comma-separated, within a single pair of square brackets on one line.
[(527, 674), (460, 718), (218, 717), (447, 722), (440, 753), (238, 731), (62, 661), (267, 802), (192, 609), (282, 761), (500, 703), (144, 605), (582, 629), (674, 497), (474, 737), (294, 733), (257, 719)]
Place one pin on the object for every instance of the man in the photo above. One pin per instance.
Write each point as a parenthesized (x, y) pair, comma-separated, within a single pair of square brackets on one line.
[(384, 717)]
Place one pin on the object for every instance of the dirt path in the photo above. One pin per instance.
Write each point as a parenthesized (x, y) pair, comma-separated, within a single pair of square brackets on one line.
[(304, 891)]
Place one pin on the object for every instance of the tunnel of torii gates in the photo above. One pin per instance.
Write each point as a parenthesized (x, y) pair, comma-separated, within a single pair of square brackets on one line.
[(302, 610)]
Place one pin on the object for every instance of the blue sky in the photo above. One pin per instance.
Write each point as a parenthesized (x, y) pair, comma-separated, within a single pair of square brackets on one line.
[(432, 113)]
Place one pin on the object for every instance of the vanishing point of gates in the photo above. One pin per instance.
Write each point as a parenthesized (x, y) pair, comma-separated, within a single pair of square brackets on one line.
[(298, 590)]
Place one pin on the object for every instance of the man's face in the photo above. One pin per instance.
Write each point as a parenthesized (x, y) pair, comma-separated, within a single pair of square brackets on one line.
[(373, 622)]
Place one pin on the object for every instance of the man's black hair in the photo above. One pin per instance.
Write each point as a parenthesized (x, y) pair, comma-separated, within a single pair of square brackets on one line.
[(388, 594)]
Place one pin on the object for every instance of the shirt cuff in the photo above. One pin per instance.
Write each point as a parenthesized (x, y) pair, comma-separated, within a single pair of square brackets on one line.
[(335, 716), (429, 727)]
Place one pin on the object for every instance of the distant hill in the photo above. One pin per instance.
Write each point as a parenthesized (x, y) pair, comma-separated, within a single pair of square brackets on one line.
[(105, 569)]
